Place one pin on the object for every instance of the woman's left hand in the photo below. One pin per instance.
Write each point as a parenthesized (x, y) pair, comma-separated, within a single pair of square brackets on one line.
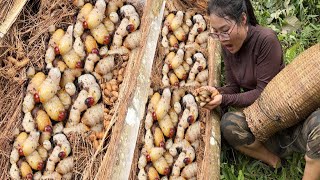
[(215, 102)]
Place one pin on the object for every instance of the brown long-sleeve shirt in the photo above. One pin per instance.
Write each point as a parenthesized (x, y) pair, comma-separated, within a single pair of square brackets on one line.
[(259, 59)]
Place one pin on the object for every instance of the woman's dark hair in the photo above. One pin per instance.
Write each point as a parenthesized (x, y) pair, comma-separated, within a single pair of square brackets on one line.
[(233, 9)]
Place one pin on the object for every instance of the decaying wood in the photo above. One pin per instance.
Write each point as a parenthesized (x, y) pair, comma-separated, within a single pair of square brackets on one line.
[(117, 161), (208, 157), (11, 16), (118, 158), (210, 167)]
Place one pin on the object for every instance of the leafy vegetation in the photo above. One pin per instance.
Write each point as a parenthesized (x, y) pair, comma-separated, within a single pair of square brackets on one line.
[(236, 166), (297, 23)]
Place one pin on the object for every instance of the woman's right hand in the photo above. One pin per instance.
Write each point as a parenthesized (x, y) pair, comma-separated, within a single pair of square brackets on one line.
[(215, 102), (216, 97)]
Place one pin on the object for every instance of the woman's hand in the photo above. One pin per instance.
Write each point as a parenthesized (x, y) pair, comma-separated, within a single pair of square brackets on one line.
[(216, 98), (215, 102)]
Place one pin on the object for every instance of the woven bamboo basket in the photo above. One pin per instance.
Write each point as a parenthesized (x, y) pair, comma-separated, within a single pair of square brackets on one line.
[(28, 37), (289, 98)]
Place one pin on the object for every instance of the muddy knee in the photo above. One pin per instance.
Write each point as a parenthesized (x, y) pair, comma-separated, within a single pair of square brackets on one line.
[(235, 129), (311, 130)]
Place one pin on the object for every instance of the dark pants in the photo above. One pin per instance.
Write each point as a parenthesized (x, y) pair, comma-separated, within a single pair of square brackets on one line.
[(303, 137)]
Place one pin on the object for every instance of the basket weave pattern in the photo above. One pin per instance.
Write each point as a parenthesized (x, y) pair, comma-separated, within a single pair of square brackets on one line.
[(290, 97)]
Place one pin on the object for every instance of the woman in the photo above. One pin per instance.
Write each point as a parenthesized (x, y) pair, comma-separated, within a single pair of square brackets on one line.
[(253, 56)]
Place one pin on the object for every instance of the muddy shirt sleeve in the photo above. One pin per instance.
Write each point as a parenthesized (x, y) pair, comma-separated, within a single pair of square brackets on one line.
[(268, 64)]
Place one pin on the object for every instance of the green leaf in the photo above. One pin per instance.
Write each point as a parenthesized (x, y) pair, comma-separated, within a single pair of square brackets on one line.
[(291, 53), (240, 176), (293, 21)]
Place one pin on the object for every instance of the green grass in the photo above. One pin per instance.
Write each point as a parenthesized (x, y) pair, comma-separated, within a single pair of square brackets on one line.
[(297, 23), (236, 166)]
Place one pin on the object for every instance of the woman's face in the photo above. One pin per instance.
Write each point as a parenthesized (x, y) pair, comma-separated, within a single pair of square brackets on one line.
[(230, 34)]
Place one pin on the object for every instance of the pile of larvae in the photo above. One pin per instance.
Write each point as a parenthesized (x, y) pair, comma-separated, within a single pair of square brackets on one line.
[(172, 132), (184, 41), (172, 126)]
